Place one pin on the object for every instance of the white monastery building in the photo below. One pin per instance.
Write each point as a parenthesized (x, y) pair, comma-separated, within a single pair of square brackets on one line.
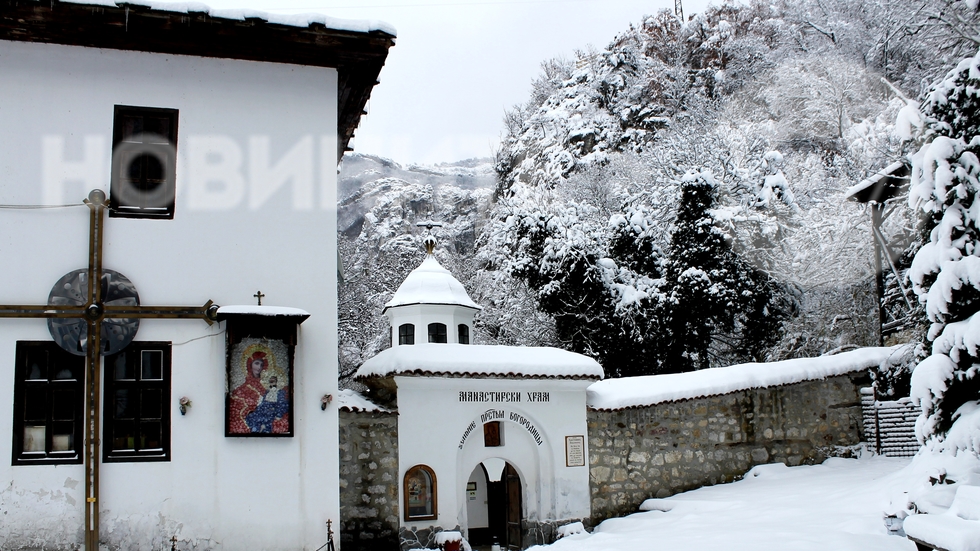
[(492, 440), (157, 161), (519, 446)]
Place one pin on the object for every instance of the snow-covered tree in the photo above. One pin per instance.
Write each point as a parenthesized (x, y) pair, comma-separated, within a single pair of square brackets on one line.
[(819, 98), (716, 299), (945, 272), (906, 41), (632, 274), (553, 247)]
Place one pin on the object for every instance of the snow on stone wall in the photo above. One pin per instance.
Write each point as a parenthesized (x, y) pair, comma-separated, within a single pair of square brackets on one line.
[(667, 448), (369, 501), (649, 390), (895, 423), (351, 400)]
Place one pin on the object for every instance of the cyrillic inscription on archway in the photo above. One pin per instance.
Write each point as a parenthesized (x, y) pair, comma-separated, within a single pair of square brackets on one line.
[(493, 414)]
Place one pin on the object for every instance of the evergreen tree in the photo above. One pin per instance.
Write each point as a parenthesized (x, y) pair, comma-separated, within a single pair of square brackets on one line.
[(555, 254), (614, 295), (601, 293), (633, 272), (716, 299), (945, 272)]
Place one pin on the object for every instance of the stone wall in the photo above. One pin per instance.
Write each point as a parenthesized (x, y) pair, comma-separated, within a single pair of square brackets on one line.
[(664, 449), (420, 536), (368, 481), (542, 532)]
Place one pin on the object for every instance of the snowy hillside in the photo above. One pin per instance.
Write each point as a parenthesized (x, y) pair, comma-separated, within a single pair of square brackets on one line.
[(359, 170), (622, 157), (677, 199)]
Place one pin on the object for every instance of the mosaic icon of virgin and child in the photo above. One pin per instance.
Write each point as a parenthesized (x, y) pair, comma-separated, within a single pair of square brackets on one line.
[(260, 404)]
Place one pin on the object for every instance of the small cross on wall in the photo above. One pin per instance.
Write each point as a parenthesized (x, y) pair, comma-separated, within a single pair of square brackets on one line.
[(259, 295)]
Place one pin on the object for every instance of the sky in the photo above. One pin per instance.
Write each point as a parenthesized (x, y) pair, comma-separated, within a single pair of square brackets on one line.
[(459, 64)]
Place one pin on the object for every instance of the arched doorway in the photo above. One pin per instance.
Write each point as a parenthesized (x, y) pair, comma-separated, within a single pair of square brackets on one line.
[(495, 505)]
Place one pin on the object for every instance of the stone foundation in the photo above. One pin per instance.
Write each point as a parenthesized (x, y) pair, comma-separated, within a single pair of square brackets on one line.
[(415, 537), (532, 533), (664, 449), (369, 481), (542, 532)]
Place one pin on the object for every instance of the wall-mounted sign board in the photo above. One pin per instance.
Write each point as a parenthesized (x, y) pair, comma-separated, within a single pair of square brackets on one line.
[(575, 451)]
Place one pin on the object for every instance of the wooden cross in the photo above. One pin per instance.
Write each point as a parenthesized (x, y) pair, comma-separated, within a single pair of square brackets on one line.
[(93, 312), (259, 295)]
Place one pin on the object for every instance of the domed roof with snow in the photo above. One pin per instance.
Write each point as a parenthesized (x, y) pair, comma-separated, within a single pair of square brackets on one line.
[(430, 283)]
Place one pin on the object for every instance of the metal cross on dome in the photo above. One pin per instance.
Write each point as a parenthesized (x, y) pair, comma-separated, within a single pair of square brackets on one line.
[(429, 241), (107, 315)]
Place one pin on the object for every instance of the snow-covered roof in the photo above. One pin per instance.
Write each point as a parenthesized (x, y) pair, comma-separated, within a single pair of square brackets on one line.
[(464, 360), (351, 400), (357, 50), (874, 187), (648, 390), (430, 283), (253, 310), (292, 20)]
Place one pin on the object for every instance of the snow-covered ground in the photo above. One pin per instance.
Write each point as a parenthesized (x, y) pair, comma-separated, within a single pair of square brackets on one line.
[(836, 505)]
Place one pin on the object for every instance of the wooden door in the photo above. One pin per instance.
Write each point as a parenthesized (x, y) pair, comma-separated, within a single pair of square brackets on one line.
[(514, 512), (497, 511)]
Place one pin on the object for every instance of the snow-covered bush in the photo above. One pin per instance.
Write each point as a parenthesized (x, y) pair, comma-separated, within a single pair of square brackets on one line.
[(893, 378)]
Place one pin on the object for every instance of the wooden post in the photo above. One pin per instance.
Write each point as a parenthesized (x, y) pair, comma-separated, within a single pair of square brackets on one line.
[(876, 209), (93, 363)]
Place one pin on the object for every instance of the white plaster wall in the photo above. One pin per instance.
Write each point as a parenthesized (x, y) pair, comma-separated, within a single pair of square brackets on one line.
[(476, 509), (230, 493), (421, 315), (432, 422)]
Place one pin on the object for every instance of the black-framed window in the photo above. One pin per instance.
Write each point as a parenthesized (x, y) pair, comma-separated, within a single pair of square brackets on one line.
[(49, 398), (144, 162), (464, 333), (406, 333), (437, 332), (136, 418)]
